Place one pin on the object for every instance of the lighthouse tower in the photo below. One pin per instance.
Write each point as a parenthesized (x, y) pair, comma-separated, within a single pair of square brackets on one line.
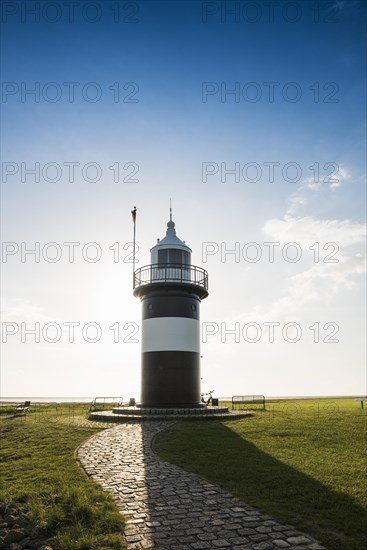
[(171, 290)]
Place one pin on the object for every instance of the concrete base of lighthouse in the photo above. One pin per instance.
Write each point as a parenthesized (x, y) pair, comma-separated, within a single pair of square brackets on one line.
[(170, 411), (135, 414)]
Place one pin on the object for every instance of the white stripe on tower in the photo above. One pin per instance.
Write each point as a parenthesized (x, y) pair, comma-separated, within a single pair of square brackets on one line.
[(170, 334)]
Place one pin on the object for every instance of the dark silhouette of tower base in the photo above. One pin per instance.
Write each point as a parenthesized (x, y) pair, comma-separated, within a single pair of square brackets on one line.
[(171, 290)]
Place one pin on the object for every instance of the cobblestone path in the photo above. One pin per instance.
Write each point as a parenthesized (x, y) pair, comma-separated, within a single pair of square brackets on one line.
[(168, 508)]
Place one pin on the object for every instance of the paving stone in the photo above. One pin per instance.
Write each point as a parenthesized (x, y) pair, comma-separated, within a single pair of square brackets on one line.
[(194, 531), (237, 541), (291, 533), (187, 539), (133, 538), (277, 535), (259, 537), (246, 531), (170, 509), (249, 522), (298, 540), (234, 527), (263, 546), (263, 529), (206, 536)]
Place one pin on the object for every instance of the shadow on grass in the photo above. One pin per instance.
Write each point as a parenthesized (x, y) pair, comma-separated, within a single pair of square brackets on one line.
[(219, 454)]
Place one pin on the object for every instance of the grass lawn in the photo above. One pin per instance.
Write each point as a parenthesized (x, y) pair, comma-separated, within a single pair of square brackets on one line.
[(303, 462), (38, 468)]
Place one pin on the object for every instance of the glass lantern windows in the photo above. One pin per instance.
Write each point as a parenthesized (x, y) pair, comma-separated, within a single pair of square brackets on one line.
[(173, 256)]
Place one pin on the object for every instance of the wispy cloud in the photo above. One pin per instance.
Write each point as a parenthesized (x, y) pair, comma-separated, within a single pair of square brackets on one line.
[(338, 5), (310, 186), (19, 311), (320, 283), (308, 230), (341, 5), (333, 181)]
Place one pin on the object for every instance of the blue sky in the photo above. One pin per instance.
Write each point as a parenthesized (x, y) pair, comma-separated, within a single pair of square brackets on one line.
[(164, 58)]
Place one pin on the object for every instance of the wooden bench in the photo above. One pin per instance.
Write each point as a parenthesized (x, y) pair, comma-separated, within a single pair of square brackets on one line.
[(22, 409), (238, 400), (104, 403), (362, 400)]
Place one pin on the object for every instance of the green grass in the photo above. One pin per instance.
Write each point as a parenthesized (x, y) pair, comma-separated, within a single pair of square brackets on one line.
[(303, 462), (38, 468), (7, 409)]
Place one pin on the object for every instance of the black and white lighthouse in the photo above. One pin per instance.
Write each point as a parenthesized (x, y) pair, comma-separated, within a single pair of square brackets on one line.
[(171, 290)]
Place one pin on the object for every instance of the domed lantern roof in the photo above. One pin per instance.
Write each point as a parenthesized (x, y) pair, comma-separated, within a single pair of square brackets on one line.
[(170, 249)]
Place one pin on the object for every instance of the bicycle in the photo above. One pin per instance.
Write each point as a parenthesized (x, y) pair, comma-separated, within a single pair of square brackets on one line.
[(209, 399)]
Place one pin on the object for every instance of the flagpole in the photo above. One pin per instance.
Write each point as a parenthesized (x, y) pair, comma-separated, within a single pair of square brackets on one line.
[(133, 213)]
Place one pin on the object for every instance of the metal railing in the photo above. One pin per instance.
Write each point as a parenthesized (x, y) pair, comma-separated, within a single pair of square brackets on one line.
[(171, 273), (104, 403)]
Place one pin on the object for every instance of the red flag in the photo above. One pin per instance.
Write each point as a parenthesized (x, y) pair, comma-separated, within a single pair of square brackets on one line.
[(133, 214)]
